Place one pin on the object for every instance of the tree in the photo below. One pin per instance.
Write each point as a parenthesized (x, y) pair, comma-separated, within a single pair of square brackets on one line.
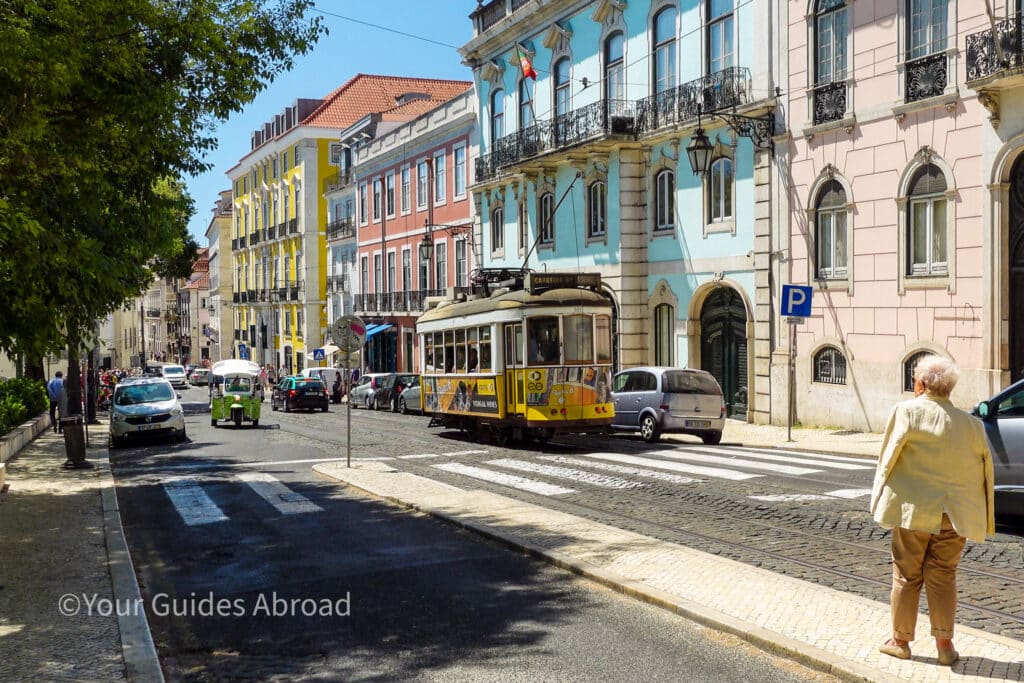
[(104, 106)]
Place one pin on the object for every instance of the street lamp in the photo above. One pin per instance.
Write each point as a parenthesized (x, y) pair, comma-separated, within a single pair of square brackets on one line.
[(426, 248), (699, 150), (758, 128)]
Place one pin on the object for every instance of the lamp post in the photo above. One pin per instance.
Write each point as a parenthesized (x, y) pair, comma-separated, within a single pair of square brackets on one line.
[(427, 251), (758, 128)]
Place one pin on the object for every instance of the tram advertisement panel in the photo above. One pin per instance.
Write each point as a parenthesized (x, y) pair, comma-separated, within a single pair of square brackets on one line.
[(577, 385), (466, 395)]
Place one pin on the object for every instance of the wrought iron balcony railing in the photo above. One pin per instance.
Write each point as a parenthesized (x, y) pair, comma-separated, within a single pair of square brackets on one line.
[(344, 179), (723, 89), (829, 102), (593, 121), (926, 77), (995, 49), (342, 228)]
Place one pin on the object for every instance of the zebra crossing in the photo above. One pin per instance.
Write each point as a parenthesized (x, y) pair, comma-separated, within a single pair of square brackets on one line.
[(196, 507), (685, 465)]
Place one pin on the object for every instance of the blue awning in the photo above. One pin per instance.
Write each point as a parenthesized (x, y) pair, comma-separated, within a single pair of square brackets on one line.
[(373, 329)]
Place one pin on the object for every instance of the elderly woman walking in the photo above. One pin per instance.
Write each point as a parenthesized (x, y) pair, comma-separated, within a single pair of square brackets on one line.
[(934, 489)]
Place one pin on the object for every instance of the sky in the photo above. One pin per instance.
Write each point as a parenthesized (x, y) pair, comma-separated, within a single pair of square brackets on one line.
[(350, 48)]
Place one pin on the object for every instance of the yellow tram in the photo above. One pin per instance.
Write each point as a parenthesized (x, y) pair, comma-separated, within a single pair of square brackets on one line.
[(527, 361)]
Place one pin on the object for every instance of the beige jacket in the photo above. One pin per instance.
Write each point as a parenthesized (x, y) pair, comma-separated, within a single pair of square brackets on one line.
[(935, 458)]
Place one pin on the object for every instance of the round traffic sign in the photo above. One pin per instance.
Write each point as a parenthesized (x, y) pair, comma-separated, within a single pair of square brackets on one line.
[(349, 333)]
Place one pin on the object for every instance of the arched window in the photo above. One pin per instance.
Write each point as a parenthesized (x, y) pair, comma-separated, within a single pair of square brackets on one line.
[(830, 366), (525, 104), (497, 115), (664, 58), (720, 190), (927, 223), (547, 218), (614, 69), (497, 229), (908, 369), (562, 92), (721, 52), (663, 331), (831, 232), (596, 203), (665, 200)]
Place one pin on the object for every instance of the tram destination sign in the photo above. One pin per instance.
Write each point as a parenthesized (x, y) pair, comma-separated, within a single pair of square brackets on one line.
[(539, 282)]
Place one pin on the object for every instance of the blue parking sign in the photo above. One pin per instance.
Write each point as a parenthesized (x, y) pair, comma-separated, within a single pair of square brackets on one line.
[(796, 301)]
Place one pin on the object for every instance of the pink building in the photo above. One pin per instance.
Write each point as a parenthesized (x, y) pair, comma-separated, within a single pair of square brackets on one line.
[(900, 199)]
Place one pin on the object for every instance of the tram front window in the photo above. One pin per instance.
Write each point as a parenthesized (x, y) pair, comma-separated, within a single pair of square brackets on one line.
[(579, 339), (542, 341)]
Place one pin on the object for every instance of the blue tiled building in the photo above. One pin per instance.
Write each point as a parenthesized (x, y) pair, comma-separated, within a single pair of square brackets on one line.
[(586, 168)]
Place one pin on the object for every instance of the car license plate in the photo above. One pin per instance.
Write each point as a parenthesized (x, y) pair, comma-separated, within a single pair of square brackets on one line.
[(698, 424), (143, 428)]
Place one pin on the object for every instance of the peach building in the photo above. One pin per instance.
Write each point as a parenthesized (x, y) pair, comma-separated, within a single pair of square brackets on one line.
[(899, 197)]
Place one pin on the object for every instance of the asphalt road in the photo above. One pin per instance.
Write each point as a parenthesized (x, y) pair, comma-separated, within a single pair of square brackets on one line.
[(252, 567)]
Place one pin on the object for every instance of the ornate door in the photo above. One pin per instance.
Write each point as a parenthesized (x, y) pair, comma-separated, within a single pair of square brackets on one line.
[(723, 346), (1016, 264)]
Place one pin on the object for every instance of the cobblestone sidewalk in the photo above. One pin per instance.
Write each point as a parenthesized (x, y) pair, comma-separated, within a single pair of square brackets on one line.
[(52, 544), (818, 439)]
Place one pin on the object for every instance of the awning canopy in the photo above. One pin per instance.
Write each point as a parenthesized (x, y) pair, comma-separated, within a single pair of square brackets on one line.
[(374, 328)]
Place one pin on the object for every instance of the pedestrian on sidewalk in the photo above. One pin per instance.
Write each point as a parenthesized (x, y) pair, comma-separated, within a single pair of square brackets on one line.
[(934, 488), (55, 389)]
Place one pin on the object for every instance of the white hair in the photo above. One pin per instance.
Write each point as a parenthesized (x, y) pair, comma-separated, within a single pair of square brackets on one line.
[(938, 374)]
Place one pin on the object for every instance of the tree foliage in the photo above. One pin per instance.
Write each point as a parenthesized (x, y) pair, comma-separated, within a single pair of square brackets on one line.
[(104, 106)]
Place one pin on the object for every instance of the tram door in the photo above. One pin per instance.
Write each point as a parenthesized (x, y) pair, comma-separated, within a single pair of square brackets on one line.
[(515, 392)]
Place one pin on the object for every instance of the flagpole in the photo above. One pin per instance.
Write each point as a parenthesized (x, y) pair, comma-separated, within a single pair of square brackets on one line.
[(521, 53)]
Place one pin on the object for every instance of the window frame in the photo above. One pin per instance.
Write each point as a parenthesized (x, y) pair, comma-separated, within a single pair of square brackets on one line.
[(526, 118), (725, 24), (406, 190), (440, 178), (831, 213), (461, 262), (562, 94), (457, 174), (497, 115), (664, 53), (614, 69), (837, 367), (664, 191), (546, 228), (364, 217), (378, 199), (497, 221), (663, 326), (389, 194), (422, 183), (597, 210), (728, 212)]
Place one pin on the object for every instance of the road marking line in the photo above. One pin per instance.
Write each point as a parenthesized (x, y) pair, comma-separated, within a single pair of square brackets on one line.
[(838, 458), (601, 480), (419, 456), (463, 452), (806, 459), (273, 491), (789, 497), (510, 480), (193, 504), (734, 462), (849, 493), (674, 466), (622, 469)]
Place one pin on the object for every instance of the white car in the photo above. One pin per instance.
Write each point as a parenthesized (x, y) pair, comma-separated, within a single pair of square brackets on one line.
[(175, 374), (146, 406)]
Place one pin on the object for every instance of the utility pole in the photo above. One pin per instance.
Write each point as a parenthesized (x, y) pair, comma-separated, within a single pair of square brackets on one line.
[(142, 333)]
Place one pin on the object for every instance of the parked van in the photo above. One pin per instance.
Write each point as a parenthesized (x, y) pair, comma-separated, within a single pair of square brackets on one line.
[(328, 375)]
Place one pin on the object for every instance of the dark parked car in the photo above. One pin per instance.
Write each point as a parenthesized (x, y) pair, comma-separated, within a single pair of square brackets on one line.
[(655, 400), (1003, 417), (309, 393), (392, 391)]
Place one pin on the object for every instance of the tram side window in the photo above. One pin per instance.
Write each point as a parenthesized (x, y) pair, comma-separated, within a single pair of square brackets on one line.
[(603, 338), (542, 339), (486, 365), (428, 353), (449, 351), (472, 354), (579, 339), (460, 350)]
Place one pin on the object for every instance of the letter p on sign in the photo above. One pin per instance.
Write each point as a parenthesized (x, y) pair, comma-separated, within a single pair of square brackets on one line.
[(796, 301)]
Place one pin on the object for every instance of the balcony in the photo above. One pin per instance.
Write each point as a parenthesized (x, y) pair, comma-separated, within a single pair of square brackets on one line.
[(995, 53), (926, 77), (337, 283), (254, 239), (344, 179), (251, 295), (152, 312), (234, 244), (723, 89), (293, 226), (271, 232), (829, 102), (342, 228), (589, 123), (243, 297), (413, 301), (488, 14), (236, 297)]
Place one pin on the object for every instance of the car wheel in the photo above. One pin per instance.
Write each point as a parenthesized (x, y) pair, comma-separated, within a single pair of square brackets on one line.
[(711, 437), (115, 442), (182, 436), (369, 403), (213, 422), (255, 423), (402, 408), (324, 409), (649, 430), (287, 406), (273, 406)]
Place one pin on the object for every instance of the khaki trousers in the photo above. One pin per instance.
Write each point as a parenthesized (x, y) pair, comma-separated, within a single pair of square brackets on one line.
[(920, 558)]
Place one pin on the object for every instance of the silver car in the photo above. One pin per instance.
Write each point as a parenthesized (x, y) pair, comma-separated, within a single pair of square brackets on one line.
[(175, 374), (147, 406), (365, 392), (658, 400), (1003, 417)]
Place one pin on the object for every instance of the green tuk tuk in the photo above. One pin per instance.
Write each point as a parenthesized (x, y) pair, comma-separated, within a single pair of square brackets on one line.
[(235, 392)]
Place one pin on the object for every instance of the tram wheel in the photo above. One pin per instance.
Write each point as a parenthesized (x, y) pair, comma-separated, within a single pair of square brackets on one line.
[(503, 436), (543, 436)]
